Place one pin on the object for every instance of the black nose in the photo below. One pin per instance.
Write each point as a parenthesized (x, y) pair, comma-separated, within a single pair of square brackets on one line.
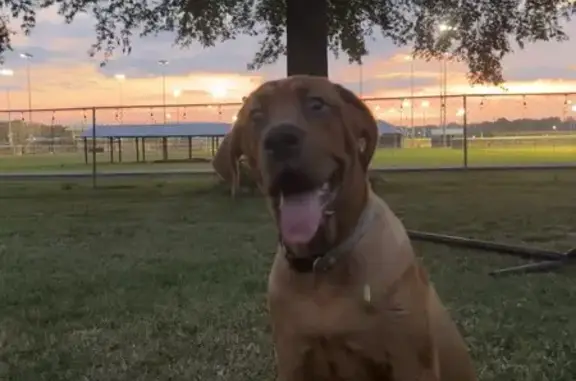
[(283, 141)]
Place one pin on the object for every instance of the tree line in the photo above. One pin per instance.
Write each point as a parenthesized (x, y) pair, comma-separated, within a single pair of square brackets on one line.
[(514, 127), (23, 132)]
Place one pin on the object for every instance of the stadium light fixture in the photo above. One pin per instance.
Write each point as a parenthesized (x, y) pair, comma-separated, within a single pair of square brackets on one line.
[(410, 59), (163, 64), (28, 57), (218, 91)]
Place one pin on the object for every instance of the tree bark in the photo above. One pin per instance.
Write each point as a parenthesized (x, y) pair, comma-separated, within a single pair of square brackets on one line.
[(307, 37)]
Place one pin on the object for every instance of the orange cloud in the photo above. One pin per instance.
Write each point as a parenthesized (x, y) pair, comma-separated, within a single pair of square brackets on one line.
[(483, 102), (82, 84)]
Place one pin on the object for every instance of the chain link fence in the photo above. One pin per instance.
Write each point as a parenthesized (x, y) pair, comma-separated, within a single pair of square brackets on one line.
[(454, 131)]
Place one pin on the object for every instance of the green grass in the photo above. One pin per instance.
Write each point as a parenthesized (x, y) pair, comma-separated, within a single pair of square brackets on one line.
[(155, 280), (408, 157)]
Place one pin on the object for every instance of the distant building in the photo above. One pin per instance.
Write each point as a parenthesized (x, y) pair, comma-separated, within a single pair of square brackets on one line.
[(389, 136), (446, 137)]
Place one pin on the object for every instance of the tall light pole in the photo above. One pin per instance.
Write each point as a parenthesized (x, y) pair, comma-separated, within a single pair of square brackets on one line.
[(405, 104), (411, 60), (121, 78), (176, 93), (8, 73), (425, 105), (444, 28), (163, 64), (28, 58), (443, 99)]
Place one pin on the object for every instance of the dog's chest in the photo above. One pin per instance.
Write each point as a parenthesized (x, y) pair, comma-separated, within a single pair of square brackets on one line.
[(328, 316), (338, 340), (334, 358)]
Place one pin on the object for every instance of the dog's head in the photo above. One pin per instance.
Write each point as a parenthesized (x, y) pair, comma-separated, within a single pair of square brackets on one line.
[(310, 141)]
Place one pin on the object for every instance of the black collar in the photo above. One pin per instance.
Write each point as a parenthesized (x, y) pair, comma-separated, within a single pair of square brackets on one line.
[(302, 265)]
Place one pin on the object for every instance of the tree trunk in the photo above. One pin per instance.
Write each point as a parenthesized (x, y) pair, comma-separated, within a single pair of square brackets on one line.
[(307, 37)]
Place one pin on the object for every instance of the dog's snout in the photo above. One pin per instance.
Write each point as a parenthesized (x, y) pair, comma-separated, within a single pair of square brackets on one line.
[(283, 141)]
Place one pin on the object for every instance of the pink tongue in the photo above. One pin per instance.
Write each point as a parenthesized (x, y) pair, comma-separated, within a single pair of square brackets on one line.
[(300, 217)]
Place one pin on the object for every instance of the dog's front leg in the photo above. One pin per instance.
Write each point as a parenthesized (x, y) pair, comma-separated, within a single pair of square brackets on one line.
[(290, 364)]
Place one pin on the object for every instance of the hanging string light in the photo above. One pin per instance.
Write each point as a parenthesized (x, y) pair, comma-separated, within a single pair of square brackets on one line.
[(524, 106), (152, 120)]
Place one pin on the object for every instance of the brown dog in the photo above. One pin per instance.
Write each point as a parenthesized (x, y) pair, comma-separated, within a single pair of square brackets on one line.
[(347, 297)]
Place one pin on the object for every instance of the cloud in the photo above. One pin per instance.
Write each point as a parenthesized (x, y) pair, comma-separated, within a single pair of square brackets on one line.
[(531, 73)]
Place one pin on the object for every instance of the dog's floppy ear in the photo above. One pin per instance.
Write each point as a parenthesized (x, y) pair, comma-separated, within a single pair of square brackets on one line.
[(362, 124), (226, 162)]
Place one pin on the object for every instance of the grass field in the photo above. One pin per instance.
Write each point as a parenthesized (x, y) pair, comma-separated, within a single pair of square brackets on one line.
[(161, 280), (407, 157)]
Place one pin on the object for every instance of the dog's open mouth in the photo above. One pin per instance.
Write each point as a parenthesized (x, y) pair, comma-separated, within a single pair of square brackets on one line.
[(301, 204)]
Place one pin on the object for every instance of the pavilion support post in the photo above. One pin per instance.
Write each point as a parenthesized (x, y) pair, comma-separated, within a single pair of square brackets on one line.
[(119, 150), (190, 147), (111, 146), (85, 140), (165, 149)]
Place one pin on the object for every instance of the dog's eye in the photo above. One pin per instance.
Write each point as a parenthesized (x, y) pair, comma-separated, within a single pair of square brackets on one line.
[(256, 114), (316, 103)]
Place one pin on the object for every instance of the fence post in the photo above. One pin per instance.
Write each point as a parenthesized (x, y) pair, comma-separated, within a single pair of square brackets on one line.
[(465, 130), (94, 147)]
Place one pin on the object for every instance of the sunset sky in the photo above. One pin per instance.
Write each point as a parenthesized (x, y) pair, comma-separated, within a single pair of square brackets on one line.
[(63, 75)]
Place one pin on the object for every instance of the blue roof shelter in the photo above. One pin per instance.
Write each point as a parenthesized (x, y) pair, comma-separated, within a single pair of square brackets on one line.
[(388, 135), (141, 132), (171, 130), (385, 128)]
